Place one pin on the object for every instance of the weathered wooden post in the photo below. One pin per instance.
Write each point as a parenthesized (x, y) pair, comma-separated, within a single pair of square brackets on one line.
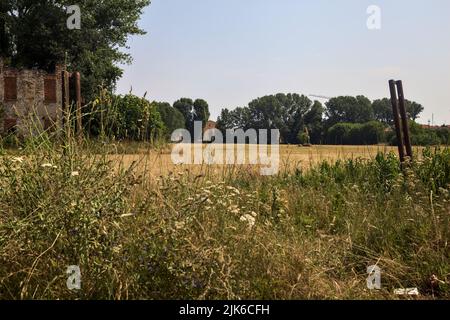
[(66, 104), (404, 117), (398, 126), (77, 85)]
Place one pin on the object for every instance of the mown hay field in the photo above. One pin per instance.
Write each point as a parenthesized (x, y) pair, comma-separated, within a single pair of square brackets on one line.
[(159, 162)]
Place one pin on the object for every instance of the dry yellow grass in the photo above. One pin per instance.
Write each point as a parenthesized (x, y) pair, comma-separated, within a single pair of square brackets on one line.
[(159, 163)]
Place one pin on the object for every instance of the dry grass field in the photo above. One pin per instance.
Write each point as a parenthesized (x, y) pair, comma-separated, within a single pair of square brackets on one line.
[(159, 162), (168, 232)]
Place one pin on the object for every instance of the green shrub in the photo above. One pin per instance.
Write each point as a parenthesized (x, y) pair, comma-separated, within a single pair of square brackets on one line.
[(369, 133)]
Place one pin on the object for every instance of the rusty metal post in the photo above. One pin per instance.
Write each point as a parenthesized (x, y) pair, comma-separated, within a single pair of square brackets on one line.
[(77, 84), (65, 103), (398, 126), (404, 117)]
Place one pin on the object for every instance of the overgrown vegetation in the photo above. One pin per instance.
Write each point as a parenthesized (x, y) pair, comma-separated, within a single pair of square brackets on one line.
[(237, 235)]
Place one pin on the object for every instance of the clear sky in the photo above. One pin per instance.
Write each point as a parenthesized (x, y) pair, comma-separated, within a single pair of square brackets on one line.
[(230, 52)]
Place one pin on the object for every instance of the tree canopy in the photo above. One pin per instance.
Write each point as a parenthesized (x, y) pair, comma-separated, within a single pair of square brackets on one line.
[(192, 111), (343, 119), (34, 33), (171, 117), (289, 113), (349, 109), (383, 110)]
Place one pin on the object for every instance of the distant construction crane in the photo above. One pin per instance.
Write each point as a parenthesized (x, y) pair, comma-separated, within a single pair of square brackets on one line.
[(319, 97)]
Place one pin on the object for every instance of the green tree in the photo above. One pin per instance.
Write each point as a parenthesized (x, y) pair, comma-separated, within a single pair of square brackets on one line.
[(201, 111), (382, 109), (368, 133), (192, 111), (314, 122), (137, 118), (5, 48), (171, 117), (348, 109), (372, 132), (186, 107), (36, 35), (238, 118), (285, 112), (289, 113), (414, 109)]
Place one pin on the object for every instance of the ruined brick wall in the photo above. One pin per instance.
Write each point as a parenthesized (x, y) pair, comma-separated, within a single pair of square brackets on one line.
[(29, 98)]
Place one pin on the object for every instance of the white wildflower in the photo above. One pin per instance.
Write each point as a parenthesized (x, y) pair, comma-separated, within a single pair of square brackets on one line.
[(117, 249), (179, 225), (127, 215), (48, 165), (75, 174), (17, 159), (249, 219), (233, 189)]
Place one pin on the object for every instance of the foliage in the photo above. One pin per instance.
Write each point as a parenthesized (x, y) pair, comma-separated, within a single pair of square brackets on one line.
[(356, 134), (383, 110), (289, 113), (124, 117), (343, 120), (192, 111), (348, 109), (423, 136), (171, 117), (304, 138), (34, 33)]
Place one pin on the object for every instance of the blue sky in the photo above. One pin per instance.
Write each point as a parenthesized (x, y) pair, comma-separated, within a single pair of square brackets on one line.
[(230, 52)]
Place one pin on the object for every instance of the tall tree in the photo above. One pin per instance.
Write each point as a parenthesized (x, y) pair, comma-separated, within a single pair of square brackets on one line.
[(192, 111), (4, 37), (37, 36), (348, 109), (289, 113), (382, 109), (238, 118), (314, 122), (201, 111), (186, 107), (414, 110), (171, 117)]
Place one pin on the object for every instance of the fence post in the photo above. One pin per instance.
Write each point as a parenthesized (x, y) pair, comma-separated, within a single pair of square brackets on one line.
[(77, 84), (404, 116), (398, 126), (66, 104)]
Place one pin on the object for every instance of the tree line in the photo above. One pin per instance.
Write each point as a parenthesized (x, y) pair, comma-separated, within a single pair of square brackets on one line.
[(131, 117), (341, 120)]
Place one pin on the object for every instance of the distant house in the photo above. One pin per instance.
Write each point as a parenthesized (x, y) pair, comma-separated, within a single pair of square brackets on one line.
[(29, 95), (427, 126), (207, 136)]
